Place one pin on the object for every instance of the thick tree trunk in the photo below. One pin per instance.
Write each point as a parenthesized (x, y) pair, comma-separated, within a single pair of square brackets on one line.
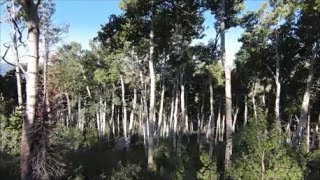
[(278, 87), (124, 109), (152, 98), (32, 18), (306, 100), (228, 95)]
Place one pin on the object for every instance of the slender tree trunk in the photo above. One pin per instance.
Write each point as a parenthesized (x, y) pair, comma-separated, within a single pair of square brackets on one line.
[(172, 110), (175, 117), (228, 95), (45, 74), (133, 111), (211, 119), (306, 99), (218, 123), (17, 62), (182, 100), (118, 121), (254, 100), (80, 121), (245, 111), (32, 18), (69, 109), (161, 110), (223, 124), (278, 86), (112, 109), (124, 109), (308, 135), (262, 165)]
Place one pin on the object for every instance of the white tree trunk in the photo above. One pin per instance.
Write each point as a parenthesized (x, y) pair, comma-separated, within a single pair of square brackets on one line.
[(163, 90), (134, 109), (245, 111), (182, 101), (211, 119), (112, 109), (152, 97), (278, 87), (32, 19), (306, 99), (254, 100), (124, 109), (17, 61), (69, 109), (175, 117)]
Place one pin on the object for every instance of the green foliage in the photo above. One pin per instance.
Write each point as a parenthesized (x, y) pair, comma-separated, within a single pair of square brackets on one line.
[(209, 169), (128, 172), (10, 131), (216, 71), (72, 139), (255, 146)]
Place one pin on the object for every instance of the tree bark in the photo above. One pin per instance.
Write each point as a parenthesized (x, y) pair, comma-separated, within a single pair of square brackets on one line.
[(182, 101), (163, 90), (278, 86), (112, 109), (306, 99), (124, 109), (175, 117), (32, 19), (152, 95), (133, 111), (16, 57), (211, 119), (245, 111), (254, 100), (228, 95)]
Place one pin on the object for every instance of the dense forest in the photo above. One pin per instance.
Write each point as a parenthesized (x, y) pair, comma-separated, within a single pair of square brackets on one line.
[(146, 102)]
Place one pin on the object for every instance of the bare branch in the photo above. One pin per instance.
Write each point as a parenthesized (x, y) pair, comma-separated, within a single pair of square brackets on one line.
[(274, 76), (4, 59)]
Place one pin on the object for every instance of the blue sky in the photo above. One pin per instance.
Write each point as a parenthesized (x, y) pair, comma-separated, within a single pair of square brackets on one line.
[(86, 17)]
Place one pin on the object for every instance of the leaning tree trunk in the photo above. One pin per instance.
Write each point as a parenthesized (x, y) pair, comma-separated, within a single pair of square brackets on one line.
[(112, 110), (32, 19), (228, 95), (17, 62), (163, 90), (151, 119), (306, 99)]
